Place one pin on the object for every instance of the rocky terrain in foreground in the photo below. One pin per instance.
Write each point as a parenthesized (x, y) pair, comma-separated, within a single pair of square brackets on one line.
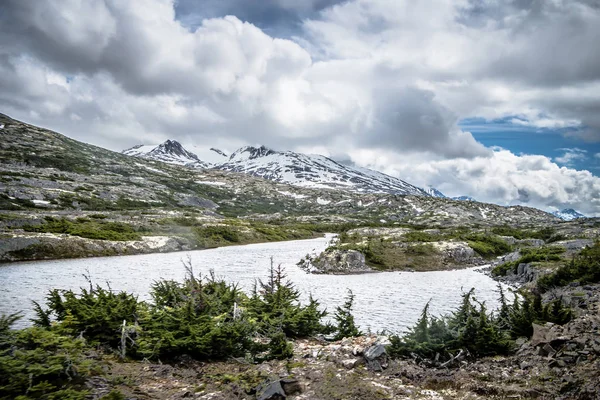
[(559, 362)]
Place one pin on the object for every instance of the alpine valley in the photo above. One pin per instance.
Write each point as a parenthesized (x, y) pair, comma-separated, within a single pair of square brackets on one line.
[(61, 198)]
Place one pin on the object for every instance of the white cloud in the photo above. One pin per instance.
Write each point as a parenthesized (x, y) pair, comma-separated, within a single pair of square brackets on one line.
[(570, 156), (504, 178)]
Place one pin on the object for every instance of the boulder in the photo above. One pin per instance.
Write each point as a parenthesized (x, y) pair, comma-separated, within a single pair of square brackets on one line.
[(339, 261), (350, 363), (376, 357), (270, 390), (541, 334), (290, 386)]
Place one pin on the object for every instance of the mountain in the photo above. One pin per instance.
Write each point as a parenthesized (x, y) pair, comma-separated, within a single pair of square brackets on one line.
[(434, 192), (171, 152), (568, 214), (463, 198), (314, 171)]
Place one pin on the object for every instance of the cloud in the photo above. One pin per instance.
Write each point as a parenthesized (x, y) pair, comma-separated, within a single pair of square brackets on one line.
[(491, 59), (504, 178), (226, 77), (570, 156), (368, 78)]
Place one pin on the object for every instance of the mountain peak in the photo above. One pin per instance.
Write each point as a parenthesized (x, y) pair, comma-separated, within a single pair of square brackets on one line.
[(434, 192), (251, 153), (568, 214), (170, 151), (174, 148), (316, 171)]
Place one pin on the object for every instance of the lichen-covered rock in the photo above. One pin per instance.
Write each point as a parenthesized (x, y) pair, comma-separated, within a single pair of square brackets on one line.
[(336, 261)]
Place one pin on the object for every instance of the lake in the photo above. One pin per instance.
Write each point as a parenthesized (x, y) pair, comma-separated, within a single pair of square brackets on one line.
[(389, 301)]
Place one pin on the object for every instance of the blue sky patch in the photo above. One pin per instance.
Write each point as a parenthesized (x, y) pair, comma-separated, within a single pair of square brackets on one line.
[(519, 139)]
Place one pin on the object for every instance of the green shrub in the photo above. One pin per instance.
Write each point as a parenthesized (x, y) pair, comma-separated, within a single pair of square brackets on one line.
[(529, 255), (37, 363), (211, 236), (472, 328), (345, 320), (487, 245), (97, 314), (583, 268), (274, 302), (418, 236), (87, 228)]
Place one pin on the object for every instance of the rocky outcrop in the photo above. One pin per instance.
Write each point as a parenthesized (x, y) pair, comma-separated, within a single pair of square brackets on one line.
[(336, 261), (37, 246), (459, 253)]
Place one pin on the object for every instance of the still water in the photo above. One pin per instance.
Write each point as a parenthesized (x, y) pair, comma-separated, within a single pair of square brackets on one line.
[(389, 301)]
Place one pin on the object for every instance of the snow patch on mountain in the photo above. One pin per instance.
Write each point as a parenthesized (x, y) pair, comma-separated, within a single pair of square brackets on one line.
[(463, 198), (171, 152), (568, 214), (433, 192), (315, 171)]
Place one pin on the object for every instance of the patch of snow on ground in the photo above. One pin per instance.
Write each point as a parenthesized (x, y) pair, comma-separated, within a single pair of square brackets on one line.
[(322, 202), (483, 213), (342, 202), (417, 209), (41, 202), (294, 195), (155, 242), (151, 169), (213, 183)]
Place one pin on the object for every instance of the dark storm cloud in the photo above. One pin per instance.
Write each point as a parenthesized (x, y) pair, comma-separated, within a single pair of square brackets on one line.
[(410, 118)]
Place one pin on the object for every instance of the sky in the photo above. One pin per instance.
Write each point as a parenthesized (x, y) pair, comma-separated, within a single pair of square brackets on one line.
[(498, 100)]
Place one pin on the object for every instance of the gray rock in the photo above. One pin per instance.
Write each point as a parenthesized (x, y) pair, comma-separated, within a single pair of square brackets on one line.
[(350, 363), (270, 390), (376, 357), (541, 335), (290, 386), (339, 262)]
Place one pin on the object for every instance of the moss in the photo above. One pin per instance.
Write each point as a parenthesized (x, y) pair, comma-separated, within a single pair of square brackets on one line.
[(529, 255), (87, 228), (418, 236), (583, 268), (488, 246)]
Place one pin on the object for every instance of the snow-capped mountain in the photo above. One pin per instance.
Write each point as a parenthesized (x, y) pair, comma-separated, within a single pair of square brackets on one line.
[(463, 198), (297, 169), (433, 192), (568, 214), (313, 171), (171, 152)]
